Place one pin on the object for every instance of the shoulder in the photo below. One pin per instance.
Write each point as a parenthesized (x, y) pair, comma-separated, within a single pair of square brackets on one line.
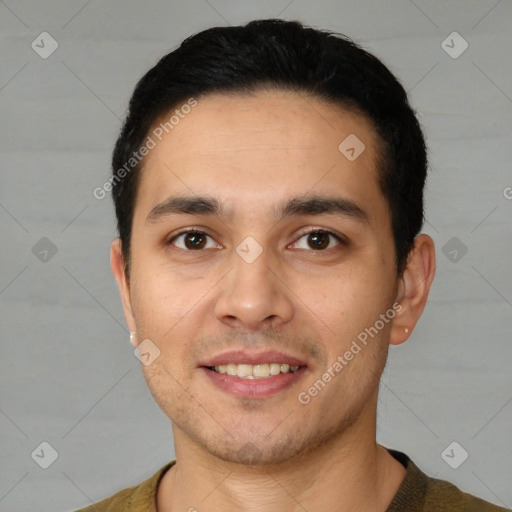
[(140, 498), (443, 496), (422, 493)]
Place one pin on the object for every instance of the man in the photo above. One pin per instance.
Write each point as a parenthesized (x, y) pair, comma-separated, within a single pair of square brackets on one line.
[(268, 185)]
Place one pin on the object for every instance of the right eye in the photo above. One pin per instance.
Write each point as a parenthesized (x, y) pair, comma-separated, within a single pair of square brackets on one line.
[(193, 240)]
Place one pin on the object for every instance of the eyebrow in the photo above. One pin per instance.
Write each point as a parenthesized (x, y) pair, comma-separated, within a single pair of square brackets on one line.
[(296, 206)]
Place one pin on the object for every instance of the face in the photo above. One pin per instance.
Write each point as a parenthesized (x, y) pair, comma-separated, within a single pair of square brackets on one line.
[(260, 248)]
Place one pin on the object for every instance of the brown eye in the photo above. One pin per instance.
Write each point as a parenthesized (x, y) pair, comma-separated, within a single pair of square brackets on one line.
[(318, 240), (193, 241)]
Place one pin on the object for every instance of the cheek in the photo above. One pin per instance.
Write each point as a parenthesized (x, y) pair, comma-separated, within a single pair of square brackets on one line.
[(162, 310), (161, 298), (349, 305), (350, 297), (165, 384)]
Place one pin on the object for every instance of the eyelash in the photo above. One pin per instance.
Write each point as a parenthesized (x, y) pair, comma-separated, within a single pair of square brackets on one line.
[(323, 231)]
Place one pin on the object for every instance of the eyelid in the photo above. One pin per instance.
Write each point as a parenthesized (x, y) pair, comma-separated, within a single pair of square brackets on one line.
[(184, 231), (190, 229)]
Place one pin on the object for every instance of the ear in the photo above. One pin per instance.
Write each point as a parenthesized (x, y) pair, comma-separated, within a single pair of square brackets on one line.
[(413, 288), (118, 269)]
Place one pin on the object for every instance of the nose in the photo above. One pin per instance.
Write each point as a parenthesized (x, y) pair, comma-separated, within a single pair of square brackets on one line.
[(254, 295)]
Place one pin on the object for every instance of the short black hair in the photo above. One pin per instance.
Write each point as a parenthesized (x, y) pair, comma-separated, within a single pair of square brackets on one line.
[(288, 55)]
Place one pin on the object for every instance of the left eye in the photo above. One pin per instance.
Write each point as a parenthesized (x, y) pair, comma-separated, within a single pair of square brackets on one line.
[(318, 240)]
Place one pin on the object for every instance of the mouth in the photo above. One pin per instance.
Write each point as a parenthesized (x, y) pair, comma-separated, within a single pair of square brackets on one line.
[(254, 371), (251, 374)]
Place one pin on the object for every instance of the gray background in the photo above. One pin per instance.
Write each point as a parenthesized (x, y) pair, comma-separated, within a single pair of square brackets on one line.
[(67, 371)]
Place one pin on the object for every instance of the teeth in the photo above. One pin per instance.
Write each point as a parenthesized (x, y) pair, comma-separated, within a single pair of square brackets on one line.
[(275, 369), (259, 370), (256, 371), (244, 370)]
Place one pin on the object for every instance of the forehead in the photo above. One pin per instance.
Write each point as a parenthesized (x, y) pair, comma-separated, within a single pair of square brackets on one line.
[(249, 146)]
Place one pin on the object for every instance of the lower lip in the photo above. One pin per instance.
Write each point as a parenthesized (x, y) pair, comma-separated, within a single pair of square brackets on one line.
[(253, 388)]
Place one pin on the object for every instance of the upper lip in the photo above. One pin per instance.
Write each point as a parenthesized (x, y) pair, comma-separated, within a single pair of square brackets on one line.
[(251, 357)]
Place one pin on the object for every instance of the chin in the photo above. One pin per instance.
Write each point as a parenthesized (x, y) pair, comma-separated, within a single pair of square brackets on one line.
[(257, 454)]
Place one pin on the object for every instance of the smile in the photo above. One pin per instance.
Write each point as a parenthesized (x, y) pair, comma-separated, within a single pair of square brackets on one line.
[(254, 371)]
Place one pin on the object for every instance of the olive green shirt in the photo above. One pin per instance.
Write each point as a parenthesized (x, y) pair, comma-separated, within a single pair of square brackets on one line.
[(417, 493)]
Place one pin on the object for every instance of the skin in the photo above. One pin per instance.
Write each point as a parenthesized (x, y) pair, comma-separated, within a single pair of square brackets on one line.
[(275, 453)]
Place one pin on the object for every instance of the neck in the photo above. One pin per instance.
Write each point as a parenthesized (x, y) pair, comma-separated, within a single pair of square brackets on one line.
[(349, 473)]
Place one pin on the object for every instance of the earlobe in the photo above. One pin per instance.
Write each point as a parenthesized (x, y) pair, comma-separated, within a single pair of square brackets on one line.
[(118, 269), (133, 338), (414, 288)]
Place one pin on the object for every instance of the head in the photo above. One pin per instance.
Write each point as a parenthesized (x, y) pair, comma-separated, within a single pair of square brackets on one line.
[(296, 158)]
